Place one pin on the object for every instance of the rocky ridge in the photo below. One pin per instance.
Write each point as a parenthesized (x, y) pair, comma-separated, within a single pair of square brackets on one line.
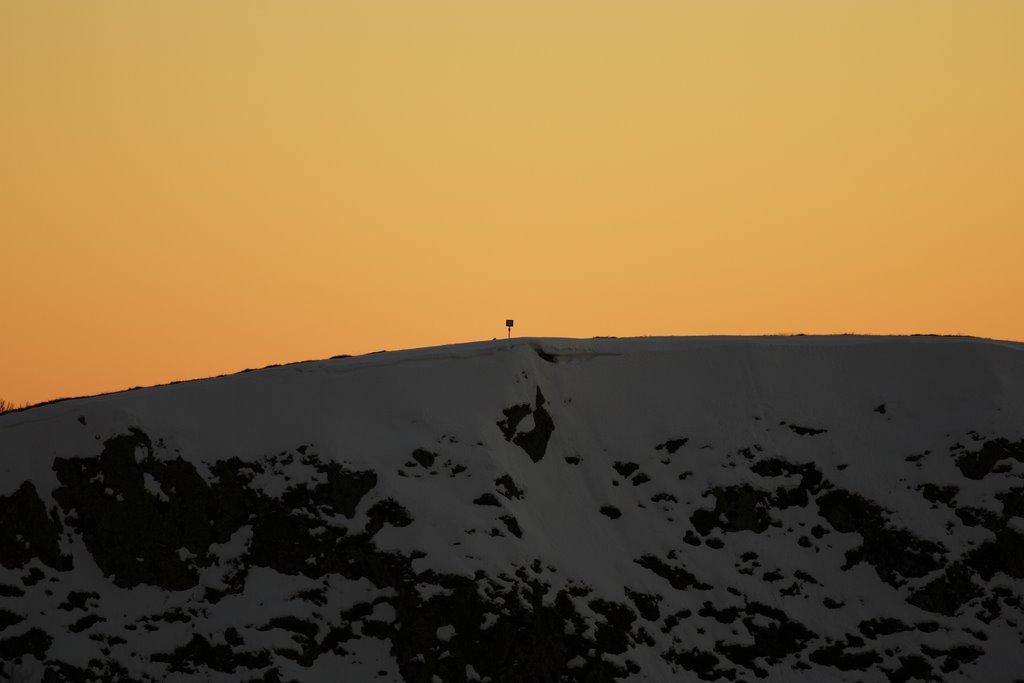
[(540, 510)]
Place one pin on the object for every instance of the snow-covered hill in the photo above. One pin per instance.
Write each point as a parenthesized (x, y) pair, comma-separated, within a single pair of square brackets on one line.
[(665, 509)]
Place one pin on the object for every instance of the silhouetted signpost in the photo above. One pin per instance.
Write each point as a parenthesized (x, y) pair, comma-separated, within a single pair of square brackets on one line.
[(508, 324)]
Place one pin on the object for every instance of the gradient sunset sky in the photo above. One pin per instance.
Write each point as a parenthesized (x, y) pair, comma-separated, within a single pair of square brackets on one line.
[(191, 188)]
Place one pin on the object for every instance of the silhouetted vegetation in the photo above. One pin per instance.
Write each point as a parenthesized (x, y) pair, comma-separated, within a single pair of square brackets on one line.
[(7, 406)]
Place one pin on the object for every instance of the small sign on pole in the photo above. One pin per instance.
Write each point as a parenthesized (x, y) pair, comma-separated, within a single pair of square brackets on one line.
[(509, 323)]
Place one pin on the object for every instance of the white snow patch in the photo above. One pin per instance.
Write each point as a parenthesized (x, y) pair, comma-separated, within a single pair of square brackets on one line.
[(153, 486)]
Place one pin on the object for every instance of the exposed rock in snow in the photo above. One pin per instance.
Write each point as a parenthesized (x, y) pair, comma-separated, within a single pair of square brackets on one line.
[(786, 509)]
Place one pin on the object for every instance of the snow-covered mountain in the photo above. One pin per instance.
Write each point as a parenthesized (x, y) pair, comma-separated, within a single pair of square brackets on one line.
[(664, 509)]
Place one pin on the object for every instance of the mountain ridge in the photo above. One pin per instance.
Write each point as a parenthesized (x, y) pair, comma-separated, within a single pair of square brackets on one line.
[(813, 338), (535, 509)]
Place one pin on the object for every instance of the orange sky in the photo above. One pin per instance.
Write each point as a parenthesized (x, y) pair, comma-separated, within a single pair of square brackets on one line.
[(193, 187)]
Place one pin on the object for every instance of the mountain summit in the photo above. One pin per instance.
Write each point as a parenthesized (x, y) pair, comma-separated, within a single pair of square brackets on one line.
[(658, 509)]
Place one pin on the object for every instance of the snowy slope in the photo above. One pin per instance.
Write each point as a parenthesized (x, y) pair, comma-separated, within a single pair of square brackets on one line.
[(663, 509)]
